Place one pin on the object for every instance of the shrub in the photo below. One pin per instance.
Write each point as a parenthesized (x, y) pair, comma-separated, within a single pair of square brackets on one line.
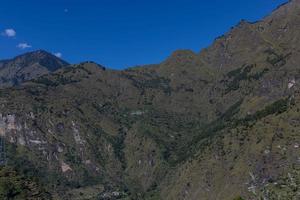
[(238, 198)]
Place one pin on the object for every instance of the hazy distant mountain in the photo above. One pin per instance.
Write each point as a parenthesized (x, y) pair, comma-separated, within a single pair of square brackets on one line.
[(222, 124), (28, 66)]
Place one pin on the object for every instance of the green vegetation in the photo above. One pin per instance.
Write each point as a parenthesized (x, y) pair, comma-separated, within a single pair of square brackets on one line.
[(153, 82), (189, 127), (55, 81), (276, 59), (14, 186), (276, 107), (239, 198), (243, 74), (72, 156)]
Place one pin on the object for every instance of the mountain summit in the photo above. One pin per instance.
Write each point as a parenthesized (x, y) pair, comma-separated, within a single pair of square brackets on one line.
[(28, 66)]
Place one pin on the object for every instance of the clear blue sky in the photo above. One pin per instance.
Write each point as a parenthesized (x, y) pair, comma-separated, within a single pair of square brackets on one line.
[(120, 33)]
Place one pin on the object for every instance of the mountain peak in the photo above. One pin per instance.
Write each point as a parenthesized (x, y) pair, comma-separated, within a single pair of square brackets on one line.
[(42, 57), (181, 56), (183, 53), (91, 64), (37, 53), (28, 66)]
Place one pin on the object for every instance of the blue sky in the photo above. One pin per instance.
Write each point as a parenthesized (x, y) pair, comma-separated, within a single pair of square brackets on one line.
[(120, 33)]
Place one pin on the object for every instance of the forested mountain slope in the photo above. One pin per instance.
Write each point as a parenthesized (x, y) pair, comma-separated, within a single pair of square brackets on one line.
[(219, 124)]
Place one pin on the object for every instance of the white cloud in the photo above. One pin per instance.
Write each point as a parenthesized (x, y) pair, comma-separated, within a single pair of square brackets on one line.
[(9, 32), (23, 46), (58, 54)]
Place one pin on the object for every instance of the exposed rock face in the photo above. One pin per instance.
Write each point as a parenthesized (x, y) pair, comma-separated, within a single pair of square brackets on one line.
[(65, 167), (218, 124)]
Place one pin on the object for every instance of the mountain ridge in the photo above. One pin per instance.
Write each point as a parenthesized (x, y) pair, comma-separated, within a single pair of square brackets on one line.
[(221, 124)]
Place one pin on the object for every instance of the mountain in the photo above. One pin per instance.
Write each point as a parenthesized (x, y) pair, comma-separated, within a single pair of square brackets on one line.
[(222, 124), (28, 66)]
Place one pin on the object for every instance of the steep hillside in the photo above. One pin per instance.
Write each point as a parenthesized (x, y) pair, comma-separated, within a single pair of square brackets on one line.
[(221, 124)]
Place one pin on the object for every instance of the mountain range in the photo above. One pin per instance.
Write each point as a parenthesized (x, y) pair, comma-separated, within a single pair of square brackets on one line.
[(221, 124)]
